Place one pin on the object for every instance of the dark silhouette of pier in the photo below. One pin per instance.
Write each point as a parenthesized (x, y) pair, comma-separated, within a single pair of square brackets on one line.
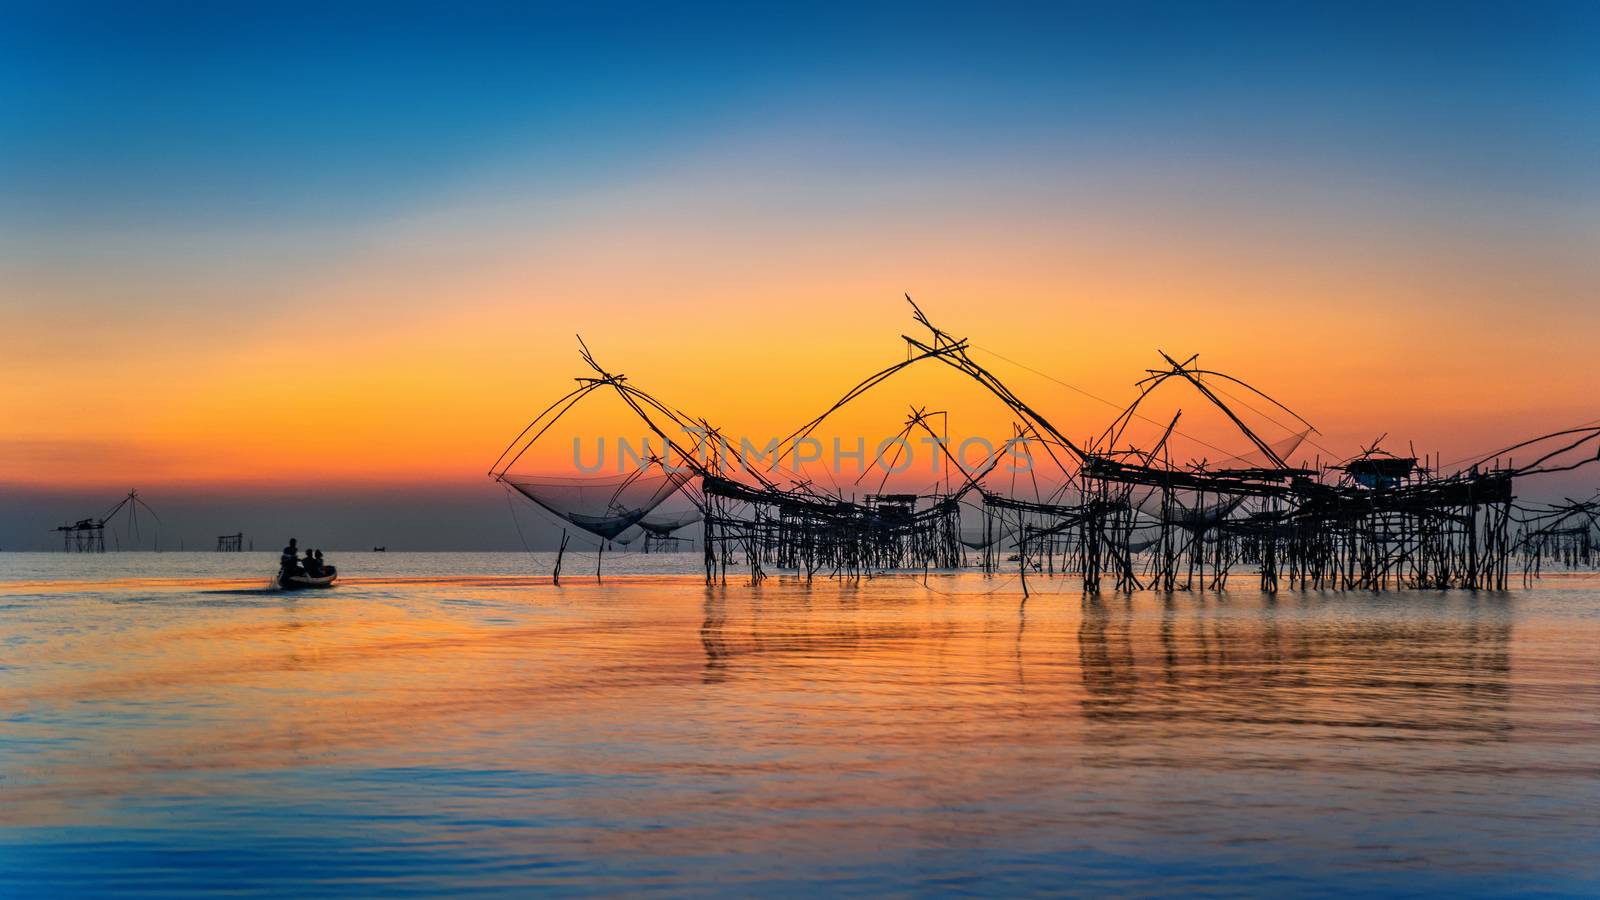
[(1125, 516)]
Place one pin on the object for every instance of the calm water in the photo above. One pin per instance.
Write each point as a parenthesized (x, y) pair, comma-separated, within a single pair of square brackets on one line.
[(447, 723)]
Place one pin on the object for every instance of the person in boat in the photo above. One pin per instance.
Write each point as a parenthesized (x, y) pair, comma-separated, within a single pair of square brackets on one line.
[(312, 565), (289, 562), (321, 567)]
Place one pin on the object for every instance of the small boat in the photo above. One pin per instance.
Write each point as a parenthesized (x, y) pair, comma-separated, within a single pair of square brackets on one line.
[(301, 581)]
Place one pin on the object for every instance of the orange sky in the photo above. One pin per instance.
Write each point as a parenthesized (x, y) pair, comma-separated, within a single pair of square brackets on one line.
[(422, 349), (241, 253)]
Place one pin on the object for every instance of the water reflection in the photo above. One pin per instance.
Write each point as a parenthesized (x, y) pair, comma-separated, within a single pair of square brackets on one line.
[(717, 653), (1262, 664), (495, 734)]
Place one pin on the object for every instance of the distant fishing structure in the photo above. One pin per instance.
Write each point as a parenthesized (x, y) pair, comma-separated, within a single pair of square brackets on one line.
[(89, 535), (83, 536), (230, 543), (1123, 515)]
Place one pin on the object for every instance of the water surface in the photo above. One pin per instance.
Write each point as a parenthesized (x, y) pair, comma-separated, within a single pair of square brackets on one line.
[(454, 723)]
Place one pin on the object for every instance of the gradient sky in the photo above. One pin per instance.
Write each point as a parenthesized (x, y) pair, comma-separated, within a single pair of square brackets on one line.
[(272, 263)]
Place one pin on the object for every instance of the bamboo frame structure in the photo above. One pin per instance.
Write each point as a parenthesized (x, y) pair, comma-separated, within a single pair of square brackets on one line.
[(1124, 517)]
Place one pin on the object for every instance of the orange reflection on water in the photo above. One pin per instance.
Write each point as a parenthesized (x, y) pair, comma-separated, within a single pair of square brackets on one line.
[(659, 717)]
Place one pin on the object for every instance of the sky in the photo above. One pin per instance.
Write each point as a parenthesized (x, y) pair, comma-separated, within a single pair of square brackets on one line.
[(284, 266)]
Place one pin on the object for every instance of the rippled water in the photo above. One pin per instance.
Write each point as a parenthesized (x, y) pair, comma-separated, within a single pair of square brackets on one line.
[(448, 723)]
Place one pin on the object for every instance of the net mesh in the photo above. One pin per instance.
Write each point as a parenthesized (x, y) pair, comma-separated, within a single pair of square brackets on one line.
[(603, 506), (664, 524), (1284, 448), (1184, 515)]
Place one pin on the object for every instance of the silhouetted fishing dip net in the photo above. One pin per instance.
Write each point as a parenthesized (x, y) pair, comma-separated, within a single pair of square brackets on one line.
[(979, 541), (664, 524), (1193, 516), (602, 506)]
